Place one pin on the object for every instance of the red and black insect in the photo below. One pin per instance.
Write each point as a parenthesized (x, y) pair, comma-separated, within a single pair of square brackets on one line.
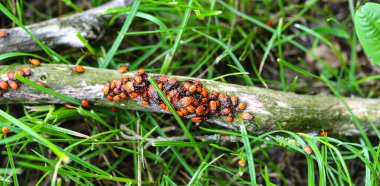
[(35, 62), (188, 97), (3, 33), (5, 130), (78, 69), (85, 103), (124, 68)]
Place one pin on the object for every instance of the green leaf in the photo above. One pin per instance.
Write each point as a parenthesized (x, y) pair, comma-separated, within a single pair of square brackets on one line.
[(367, 25)]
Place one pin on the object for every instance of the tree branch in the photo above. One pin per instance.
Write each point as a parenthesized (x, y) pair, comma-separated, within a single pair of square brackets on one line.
[(61, 31), (272, 110)]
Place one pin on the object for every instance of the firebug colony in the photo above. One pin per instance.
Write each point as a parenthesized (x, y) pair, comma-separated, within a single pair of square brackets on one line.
[(188, 97)]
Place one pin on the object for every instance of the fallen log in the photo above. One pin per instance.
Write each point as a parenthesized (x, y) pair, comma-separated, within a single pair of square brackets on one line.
[(62, 31), (272, 110)]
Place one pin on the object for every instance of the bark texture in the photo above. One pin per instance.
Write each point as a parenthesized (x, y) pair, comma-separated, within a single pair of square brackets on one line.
[(272, 110), (60, 31)]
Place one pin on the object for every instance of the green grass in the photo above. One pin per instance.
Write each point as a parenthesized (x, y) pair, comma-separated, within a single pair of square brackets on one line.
[(261, 43)]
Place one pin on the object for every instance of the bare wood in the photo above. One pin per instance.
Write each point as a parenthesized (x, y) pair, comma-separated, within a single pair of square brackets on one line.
[(273, 110), (61, 31)]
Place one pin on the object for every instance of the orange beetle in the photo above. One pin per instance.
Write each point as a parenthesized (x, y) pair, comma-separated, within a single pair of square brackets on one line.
[(190, 108), (170, 83), (184, 102), (204, 93), (20, 72), (106, 89), (241, 163), (212, 106), (234, 100), (4, 85), (229, 118), (241, 106), (163, 106), (123, 96), (186, 86), (138, 78), (113, 85), (192, 88), (123, 69), (141, 71), (41, 84), (85, 103), (27, 71), (325, 133), (225, 111), (224, 99), (109, 97), (197, 119), (116, 90), (116, 98), (145, 102), (133, 95), (204, 100), (184, 111), (200, 111), (11, 75), (5, 130), (78, 69), (246, 116), (34, 61), (180, 113), (161, 78), (129, 86), (13, 85), (199, 89), (195, 102), (69, 106), (307, 149), (3, 33)]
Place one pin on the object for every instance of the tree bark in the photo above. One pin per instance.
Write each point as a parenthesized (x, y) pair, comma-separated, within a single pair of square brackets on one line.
[(61, 31), (272, 110)]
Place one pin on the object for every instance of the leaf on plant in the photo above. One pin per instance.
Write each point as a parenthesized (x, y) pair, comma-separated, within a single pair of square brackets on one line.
[(367, 25)]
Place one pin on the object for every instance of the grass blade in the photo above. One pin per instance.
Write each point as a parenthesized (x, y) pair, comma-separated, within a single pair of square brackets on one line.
[(46, 90), (35, 135), (121, 35), (249, 155), (247, 79), (169, 58), (19, 54)]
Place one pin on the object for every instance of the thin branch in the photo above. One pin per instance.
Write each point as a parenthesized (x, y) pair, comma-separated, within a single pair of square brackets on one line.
[(272, 110), (61, 31), (128, 134)]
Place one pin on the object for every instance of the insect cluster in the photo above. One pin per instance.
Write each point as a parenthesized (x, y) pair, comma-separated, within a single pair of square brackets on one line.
[(12, 82), (188, 97)]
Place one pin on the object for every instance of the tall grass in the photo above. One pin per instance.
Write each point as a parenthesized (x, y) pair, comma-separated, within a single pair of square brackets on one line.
[(250, 43)]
